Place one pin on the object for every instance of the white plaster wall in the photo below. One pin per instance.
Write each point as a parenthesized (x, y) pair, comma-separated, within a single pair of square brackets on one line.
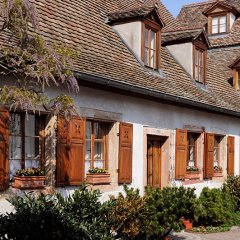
[(183, 53), (131, 33), (232, 19), (144, 113)]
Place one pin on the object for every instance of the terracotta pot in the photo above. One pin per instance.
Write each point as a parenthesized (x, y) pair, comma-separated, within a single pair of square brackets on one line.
[(187, 224), (29, 182), (98, 178)]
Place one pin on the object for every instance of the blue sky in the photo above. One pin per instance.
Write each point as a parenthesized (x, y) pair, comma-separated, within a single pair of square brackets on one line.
[(174, 6)]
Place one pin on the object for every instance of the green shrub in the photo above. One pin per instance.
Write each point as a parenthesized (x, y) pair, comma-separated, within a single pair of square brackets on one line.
[(165, 209), (232, 186), (78, 217), (128, 214), (215, 207)]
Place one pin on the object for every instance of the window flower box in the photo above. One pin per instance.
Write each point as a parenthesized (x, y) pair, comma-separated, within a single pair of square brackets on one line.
[(192, 172), (98, 176), (218, 172), (30, 178)]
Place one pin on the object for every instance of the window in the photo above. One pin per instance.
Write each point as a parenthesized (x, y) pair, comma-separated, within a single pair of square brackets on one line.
[(151, 45), (26, 142), (192, 149), (219, 24), (96, 145), (199, 64), (236, 79), (216, 156)]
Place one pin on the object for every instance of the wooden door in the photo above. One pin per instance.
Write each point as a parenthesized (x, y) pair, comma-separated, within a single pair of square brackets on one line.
[(154, 156)]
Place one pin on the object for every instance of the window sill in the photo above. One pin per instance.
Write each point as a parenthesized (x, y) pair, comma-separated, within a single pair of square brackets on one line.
[(98, 178)]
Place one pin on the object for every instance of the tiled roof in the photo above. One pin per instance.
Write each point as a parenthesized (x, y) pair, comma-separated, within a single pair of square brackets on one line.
[(180, 35), (191, 17), (136, 12), (82, 25)]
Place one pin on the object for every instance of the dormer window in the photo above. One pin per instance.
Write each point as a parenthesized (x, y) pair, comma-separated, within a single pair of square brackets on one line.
[(150, 50), (151, 44), (221, 17), (236, 74), (199, 63), (219, 24)]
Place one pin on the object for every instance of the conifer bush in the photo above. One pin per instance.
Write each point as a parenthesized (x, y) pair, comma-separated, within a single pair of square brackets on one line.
[(215, 208)]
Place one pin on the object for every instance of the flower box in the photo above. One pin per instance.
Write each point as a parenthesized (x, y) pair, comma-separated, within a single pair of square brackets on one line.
[(29, 182), (218, 173), (192, 175), (98, 178)]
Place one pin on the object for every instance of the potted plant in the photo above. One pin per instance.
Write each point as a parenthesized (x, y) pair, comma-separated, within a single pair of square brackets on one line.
[(29, 178), (192, 172), (98, 176), (217, 171)]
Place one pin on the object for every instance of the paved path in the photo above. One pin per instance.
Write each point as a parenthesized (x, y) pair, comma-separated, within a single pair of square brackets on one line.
[(234, 234)]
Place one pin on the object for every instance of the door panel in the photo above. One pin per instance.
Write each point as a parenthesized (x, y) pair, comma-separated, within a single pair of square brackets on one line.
[(154, 163)]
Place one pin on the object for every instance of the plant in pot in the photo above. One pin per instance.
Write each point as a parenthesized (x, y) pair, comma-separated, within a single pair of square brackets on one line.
[(96, 176), (217, 171), (29, 178), (192, 172)]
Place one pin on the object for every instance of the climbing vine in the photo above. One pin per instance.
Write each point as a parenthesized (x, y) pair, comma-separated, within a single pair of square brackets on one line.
[(33, 62)]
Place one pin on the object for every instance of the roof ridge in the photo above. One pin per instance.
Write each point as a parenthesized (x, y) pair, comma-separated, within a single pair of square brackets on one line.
[(200, 3)]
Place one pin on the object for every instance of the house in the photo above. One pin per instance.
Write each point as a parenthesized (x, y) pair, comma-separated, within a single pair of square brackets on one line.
[(159, 100)]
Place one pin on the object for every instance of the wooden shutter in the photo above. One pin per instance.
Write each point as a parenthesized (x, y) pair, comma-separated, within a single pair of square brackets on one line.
[(4, 141), (181, 154), (230, 156), (209, 155), (125, 153), (70, 151)]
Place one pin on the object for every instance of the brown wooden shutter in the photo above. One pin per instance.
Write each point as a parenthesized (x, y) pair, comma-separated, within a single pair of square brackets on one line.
[(209, 155), (125, 153), (230, 156), (181, 154), (70, 151), (4, 142)]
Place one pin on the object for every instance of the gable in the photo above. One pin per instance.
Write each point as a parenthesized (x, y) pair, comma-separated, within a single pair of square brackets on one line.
[(220, 8), (235, 64)]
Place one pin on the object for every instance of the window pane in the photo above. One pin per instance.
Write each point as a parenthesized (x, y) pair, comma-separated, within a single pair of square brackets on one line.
[(99, 164), (152, 59), (32, 163), (153, 40), (87, 166), (88, 130), (146, 37), (88, 150), (14, 165), (223, 24), (215, 25), (201, 74), (30, 126), (146, 57), (15, 147), (32, 148), (98, 151), (15, 124), (201, 59), (99, 130)]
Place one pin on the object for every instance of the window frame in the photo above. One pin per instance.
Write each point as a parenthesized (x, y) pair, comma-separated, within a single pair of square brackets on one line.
[(199, 47), (23, 136), (151, 26), (236, 78), (219, 15), (195, 137), (92, 141)]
